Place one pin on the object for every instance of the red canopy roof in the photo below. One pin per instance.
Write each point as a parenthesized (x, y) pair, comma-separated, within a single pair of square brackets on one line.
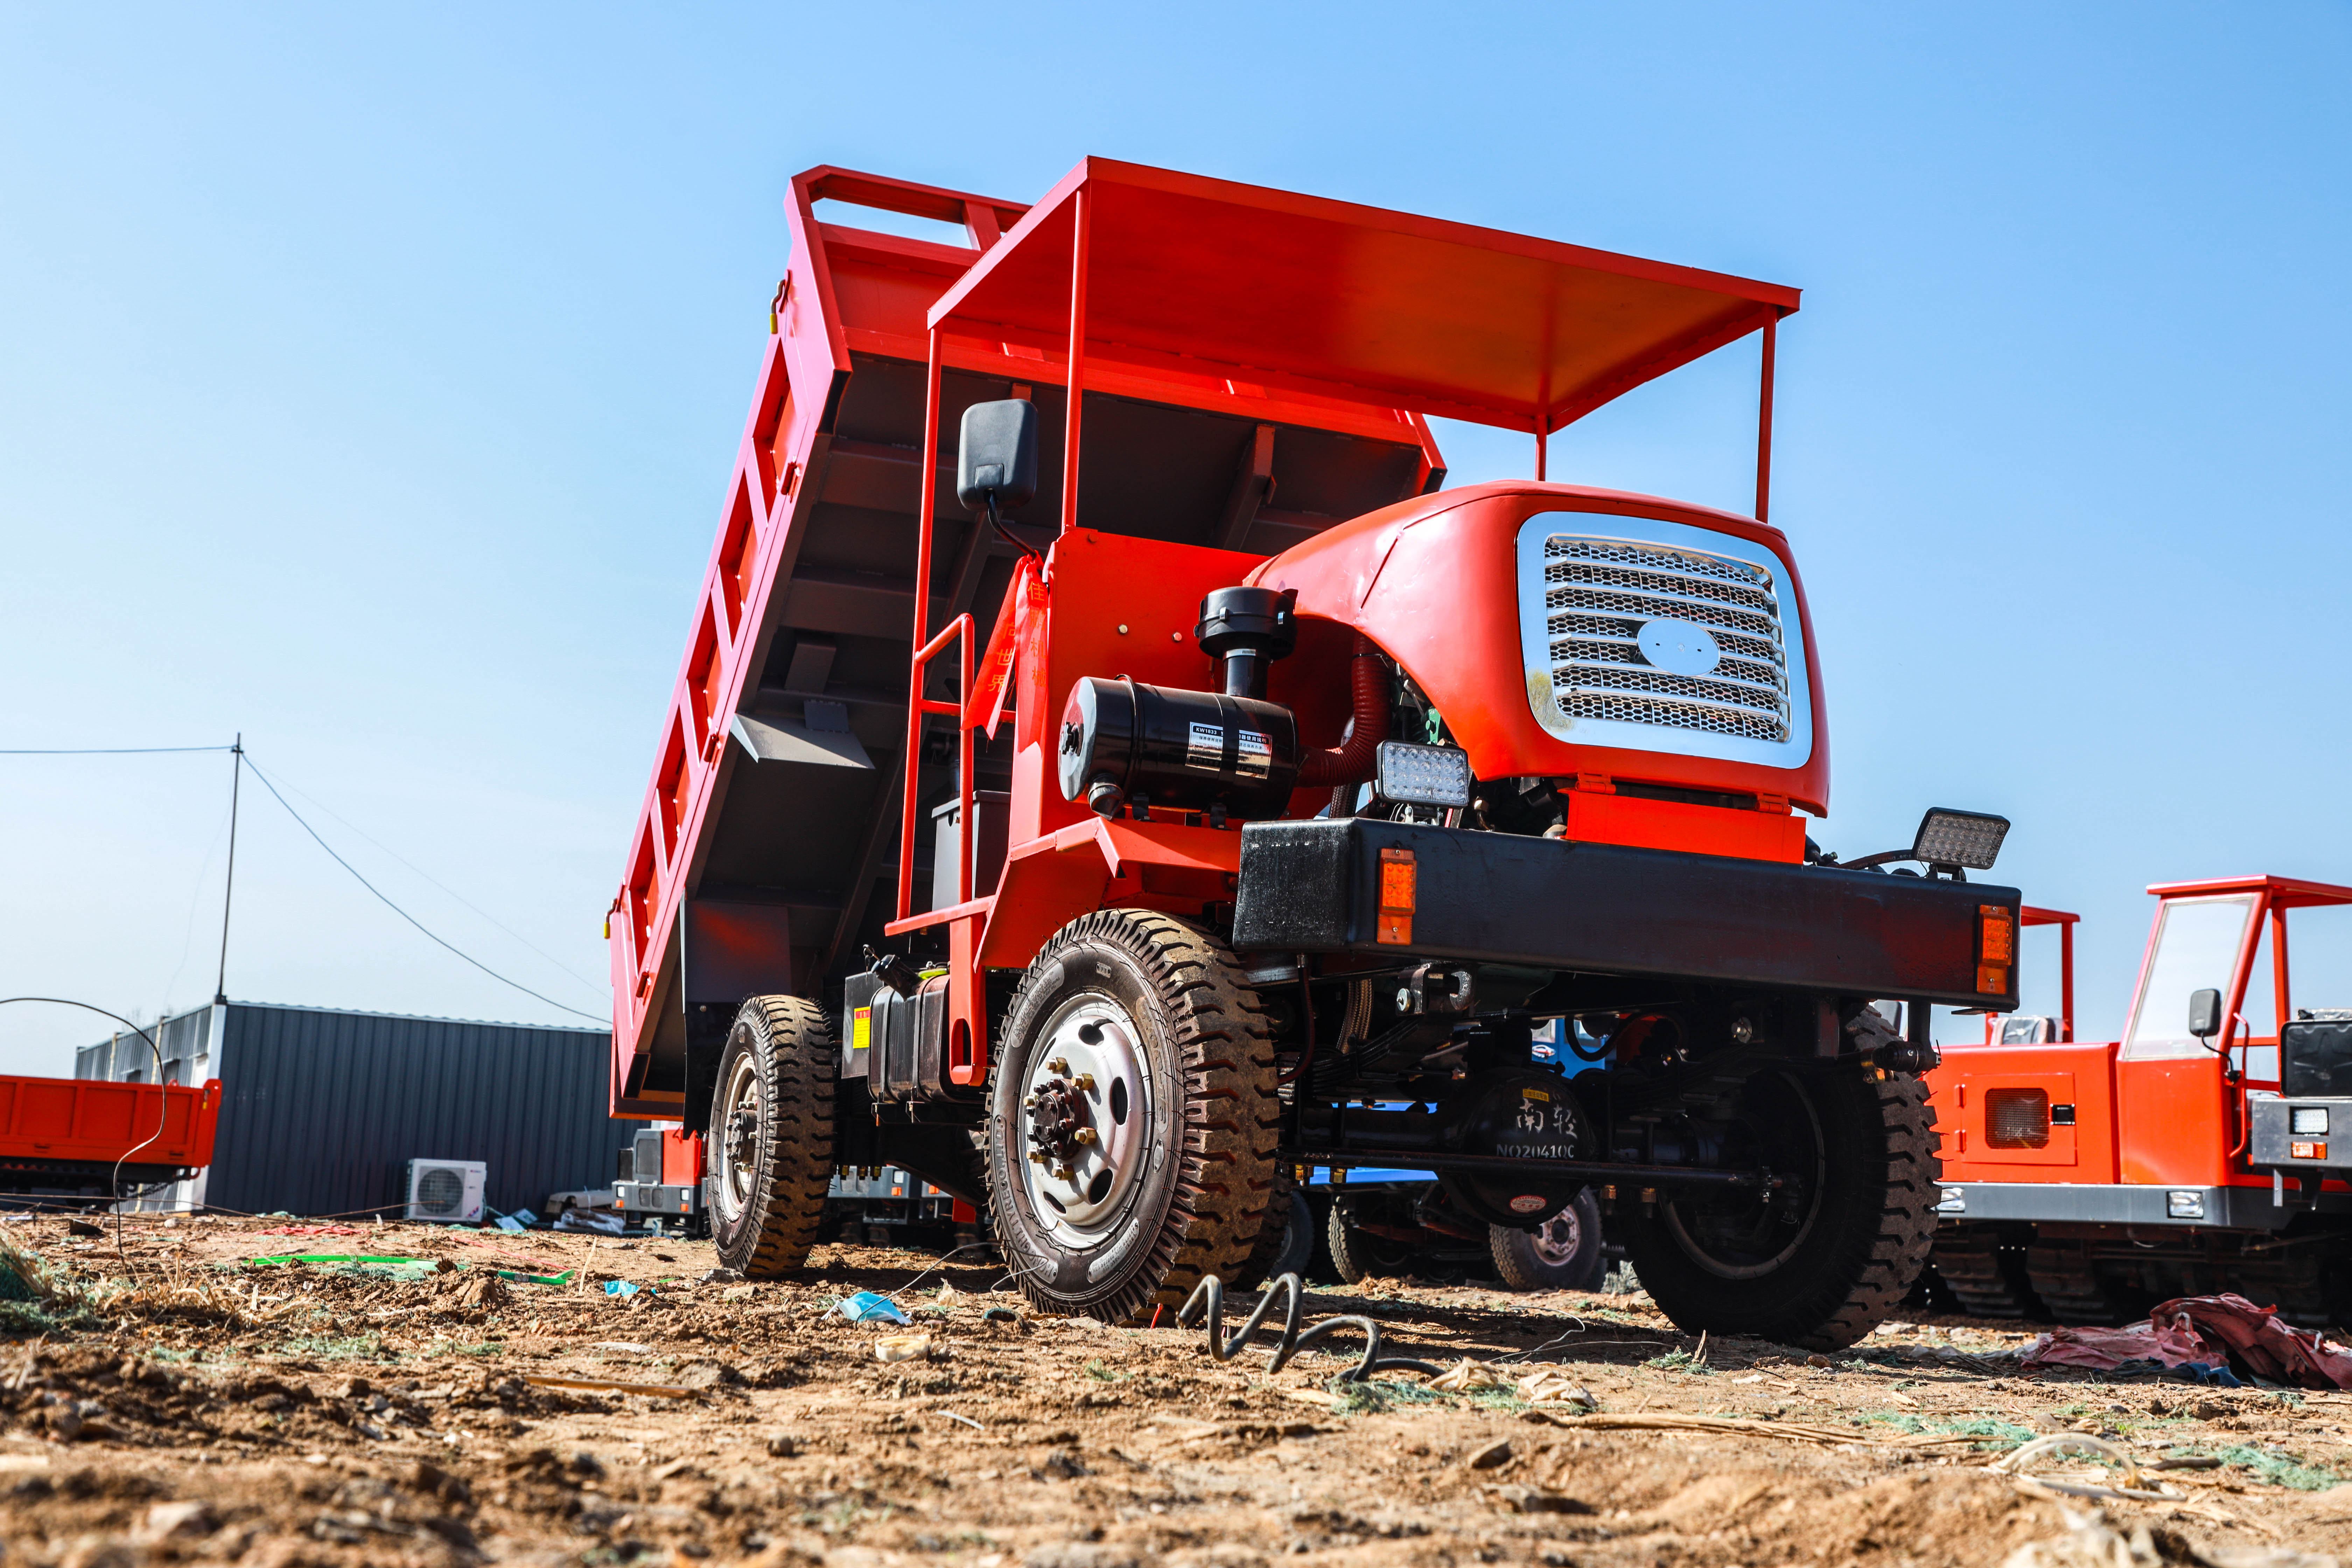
[(1329, 298)]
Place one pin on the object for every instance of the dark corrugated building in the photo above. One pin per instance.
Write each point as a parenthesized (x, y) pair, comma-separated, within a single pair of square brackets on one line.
[(322, 1109)]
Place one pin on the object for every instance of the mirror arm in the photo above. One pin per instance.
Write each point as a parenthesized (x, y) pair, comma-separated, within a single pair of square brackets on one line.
[(1007, 535)]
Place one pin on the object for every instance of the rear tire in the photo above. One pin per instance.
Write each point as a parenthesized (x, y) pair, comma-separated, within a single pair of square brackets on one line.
[(1562, 1254), (1358, 1255), (1825, 1267), (1139, 1030), (1286, 1238), (771, 1135)]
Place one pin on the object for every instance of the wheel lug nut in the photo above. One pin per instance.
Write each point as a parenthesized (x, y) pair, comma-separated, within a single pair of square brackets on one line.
[(1059, 1067), (1084, 1135), (1084, 1082)]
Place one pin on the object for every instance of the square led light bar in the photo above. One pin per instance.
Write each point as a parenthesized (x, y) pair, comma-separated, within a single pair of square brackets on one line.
[(2307, 1120), (1423, 776), (1970, 839)]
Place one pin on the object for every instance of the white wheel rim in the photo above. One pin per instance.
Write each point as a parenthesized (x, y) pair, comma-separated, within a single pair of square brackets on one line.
[(1087, 1075), (1557, 1241), (735, 1149)]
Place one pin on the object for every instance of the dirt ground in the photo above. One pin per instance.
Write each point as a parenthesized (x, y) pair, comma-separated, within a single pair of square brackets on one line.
[(217, 1411)]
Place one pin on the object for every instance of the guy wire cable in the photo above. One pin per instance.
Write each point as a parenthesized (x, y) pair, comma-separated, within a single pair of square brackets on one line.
[(396, 909)]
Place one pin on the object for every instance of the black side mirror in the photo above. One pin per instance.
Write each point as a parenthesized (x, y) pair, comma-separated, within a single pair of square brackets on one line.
[(2205, 1013), (997, 456)]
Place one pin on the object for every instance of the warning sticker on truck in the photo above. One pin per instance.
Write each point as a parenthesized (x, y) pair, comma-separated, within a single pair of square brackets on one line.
[(1206, 749)]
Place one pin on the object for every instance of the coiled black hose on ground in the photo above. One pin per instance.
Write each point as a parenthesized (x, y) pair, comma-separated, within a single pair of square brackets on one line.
[(1208, 1300)]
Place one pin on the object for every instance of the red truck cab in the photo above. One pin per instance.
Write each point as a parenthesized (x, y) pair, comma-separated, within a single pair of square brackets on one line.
[(2179, 1159)]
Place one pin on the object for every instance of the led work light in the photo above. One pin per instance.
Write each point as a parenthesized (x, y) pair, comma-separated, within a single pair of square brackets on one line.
[(1948, 840), (1423, 776), (1970, 838)]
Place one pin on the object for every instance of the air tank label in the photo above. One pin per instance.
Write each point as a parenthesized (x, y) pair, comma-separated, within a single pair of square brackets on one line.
[(1206, 749), (1257, 755)]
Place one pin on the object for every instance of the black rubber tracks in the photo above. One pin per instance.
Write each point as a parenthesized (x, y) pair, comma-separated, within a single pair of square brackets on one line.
[(2066, 1276), (793, 1045), (1987, 1279)]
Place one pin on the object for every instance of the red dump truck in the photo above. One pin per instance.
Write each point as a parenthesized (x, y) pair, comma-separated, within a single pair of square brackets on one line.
[(1110, 775), (73, 1141), (2088, 1182)]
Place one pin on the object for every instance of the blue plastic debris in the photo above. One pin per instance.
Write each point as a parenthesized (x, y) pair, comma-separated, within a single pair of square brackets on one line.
[(509, 1223), (866, 1307), (620, 1287)]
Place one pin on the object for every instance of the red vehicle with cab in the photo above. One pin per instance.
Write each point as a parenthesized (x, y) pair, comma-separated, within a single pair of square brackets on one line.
[(1110, 775), (2193, 1155)]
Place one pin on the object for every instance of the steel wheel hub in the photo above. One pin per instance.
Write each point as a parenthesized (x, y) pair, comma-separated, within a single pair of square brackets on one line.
[(1082, 1123), (1754, 1237), (735, 1148), (1557, 1241)]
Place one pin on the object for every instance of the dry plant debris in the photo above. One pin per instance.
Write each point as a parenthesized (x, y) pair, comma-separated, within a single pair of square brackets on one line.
[(176, 1403)]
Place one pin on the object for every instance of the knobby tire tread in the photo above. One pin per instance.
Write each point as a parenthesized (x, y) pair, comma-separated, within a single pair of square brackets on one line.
[(1225, 1049), (1906, 1215), (1852, 1283), (797, 1072)]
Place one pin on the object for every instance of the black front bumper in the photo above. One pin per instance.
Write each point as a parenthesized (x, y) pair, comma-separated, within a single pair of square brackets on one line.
[(1603, 909)]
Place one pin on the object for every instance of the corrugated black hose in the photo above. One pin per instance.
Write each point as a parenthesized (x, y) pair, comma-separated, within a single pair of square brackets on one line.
[(1208, 1300)]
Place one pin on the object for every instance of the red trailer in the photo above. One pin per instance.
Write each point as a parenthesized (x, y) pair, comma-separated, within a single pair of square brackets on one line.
[(1110, 775), (65, 1139), (2091, 1180)]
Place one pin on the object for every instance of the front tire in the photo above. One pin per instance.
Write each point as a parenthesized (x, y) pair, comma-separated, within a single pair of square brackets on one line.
[(771, 1135), (1823, 1264), (1562, 1254), (1133, 1120)]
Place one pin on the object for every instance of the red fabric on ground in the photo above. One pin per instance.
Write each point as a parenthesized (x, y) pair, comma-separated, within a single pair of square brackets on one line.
[(2257, 1340)]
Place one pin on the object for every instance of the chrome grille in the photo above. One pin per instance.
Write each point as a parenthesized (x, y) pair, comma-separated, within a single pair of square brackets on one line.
[(1598, 592)]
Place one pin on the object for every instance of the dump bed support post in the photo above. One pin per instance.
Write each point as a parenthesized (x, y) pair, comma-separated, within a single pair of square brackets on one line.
[(1764, 423), (1082, 210)]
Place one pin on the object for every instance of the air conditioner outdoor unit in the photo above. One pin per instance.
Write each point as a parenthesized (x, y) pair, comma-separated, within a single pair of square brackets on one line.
[(449, 1190)]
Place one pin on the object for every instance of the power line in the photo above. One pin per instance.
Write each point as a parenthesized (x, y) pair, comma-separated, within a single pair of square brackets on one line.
[(404, 914), (109, 752), (453, 893)]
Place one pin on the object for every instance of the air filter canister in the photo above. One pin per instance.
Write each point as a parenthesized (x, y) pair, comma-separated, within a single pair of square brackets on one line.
[(1177, 750)]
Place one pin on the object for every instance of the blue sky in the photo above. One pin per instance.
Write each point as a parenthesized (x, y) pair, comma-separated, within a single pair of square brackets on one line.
[(369, 379)]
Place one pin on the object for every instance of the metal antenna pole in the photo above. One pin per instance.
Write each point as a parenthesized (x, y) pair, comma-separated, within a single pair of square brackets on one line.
[(236, 777)]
